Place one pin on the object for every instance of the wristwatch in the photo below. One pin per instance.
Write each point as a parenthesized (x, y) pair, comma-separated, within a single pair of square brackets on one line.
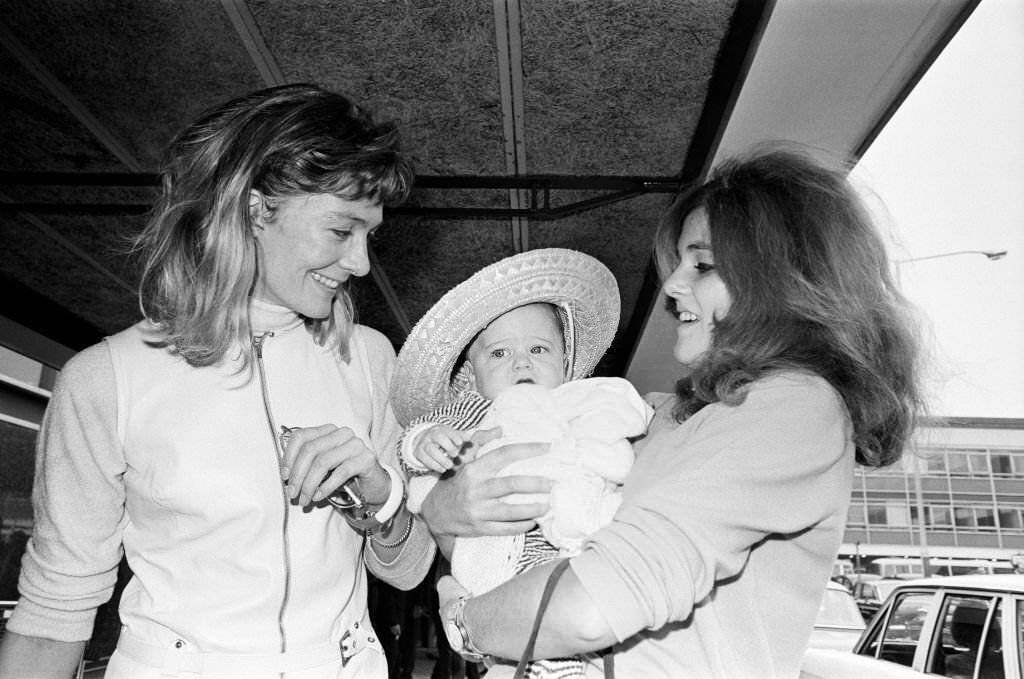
[(453, 620)]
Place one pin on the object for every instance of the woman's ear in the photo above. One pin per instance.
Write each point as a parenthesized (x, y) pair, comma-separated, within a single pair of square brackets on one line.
[(256, 209)]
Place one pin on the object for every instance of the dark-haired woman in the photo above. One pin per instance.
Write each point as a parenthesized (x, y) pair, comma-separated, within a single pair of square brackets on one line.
[(800, 362)]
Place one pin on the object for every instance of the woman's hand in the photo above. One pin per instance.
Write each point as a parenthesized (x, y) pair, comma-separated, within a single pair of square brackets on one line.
[(470, 502), (317, 460)]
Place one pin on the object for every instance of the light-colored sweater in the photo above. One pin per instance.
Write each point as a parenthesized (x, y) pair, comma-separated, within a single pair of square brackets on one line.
[(715, 563), (178, 464)]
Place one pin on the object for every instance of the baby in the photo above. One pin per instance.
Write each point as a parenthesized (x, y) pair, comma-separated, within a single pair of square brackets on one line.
[(537, 323)]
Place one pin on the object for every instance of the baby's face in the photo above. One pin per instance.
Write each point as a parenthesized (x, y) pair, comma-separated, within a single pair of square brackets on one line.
[(523, 345)]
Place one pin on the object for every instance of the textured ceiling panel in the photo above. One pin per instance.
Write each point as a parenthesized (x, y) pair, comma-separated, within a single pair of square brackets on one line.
[(425, 258), (429, 65), (56, 273), (608, 88), (140, 68), (616, 87), (38, 132), (620, 235)]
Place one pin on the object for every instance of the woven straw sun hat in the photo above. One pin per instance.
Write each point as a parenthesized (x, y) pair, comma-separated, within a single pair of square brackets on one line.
[(582, 288)]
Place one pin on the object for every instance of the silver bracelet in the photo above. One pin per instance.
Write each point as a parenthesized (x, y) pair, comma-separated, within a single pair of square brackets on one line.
[(397, 543)]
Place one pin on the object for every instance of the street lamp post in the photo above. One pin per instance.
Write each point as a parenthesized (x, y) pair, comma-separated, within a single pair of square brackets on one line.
[(990, 255)]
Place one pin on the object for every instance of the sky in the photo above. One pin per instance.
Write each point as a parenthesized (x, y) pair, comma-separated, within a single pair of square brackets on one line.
[(947, 174)]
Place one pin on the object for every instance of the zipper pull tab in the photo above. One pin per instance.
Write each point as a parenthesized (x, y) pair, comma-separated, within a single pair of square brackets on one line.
[(257, 343)]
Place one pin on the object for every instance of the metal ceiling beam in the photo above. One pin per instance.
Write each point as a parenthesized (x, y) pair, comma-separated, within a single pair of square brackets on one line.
[(536, 193), (249, 32), (384, 283), (509, 43), (30, 216), (27, 59)]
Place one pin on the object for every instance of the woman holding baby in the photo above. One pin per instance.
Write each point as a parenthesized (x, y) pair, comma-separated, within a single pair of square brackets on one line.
[(799, 360)]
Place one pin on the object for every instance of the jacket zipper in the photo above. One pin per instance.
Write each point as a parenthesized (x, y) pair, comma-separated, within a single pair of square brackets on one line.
[(257, 344)]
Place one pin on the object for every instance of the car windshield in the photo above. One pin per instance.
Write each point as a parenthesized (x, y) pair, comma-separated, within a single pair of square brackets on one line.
[(838, 609)]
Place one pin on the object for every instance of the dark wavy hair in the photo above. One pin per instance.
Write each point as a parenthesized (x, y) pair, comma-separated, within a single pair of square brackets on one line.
[(198, 252), (811, 291)]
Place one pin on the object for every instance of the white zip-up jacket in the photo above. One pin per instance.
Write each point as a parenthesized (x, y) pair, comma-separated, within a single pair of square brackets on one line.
[(186, 476)]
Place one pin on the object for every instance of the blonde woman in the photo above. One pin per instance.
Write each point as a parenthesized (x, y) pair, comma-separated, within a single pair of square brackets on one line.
[(213, 443)]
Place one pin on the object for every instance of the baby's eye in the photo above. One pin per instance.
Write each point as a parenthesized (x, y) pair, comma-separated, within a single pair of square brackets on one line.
[(499, 353), (538, 349)]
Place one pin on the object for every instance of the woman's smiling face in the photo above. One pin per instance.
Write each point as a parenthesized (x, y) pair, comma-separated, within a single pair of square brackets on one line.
[(697, 293), (309, 246)]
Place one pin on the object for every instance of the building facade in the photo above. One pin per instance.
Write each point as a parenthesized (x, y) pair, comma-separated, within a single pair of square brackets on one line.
[(959, 492)]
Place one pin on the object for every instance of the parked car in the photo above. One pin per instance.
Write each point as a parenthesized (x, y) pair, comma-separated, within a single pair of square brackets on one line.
[(870, 594), (839, 623), (960, 626)]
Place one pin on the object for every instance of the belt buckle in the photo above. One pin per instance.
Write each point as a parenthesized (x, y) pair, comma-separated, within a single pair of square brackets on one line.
[(351, 643)]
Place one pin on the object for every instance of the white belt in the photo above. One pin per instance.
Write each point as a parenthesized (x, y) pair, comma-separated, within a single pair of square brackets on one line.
[(174, 660)]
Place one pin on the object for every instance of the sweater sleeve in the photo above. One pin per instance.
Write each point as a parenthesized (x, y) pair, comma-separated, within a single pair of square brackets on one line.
[(78, 497), (410, 566), (703, 494), (464, 413)]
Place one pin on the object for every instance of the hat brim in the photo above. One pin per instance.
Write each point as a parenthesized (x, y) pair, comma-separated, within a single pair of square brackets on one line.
[(576, 282)]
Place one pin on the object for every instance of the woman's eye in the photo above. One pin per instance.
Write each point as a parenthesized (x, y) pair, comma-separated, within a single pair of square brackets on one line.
[(341, 234), (704, 267)]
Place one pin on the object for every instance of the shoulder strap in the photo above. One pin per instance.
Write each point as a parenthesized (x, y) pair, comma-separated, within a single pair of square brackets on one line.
[(549, 588)]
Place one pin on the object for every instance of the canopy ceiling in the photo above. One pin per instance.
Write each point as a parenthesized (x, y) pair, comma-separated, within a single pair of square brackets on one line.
[(531, 123)]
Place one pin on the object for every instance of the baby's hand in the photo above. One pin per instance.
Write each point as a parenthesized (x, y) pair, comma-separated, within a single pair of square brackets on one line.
[(437, 447)]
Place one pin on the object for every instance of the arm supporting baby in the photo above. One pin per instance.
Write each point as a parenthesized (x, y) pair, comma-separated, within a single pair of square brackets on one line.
[(470, 502)]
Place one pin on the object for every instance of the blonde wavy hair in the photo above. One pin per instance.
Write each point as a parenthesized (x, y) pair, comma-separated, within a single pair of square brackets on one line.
[(197, 251)]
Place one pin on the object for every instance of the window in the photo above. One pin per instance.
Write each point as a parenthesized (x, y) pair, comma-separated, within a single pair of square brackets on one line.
[(936, 462), (979, 464), (1009, 518), (897, 514), (958, 464), (941, 516), (985, 516), (877, 515), (855, 515), (964, 517), (897, 637), (1002, 465), (970, 637)]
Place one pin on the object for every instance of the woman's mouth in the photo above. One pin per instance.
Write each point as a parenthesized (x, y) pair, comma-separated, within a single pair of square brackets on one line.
[(329, 283), (687, 317)]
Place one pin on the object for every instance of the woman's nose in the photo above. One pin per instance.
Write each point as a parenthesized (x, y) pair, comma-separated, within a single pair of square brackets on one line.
[(676, 284), (357, 256)]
